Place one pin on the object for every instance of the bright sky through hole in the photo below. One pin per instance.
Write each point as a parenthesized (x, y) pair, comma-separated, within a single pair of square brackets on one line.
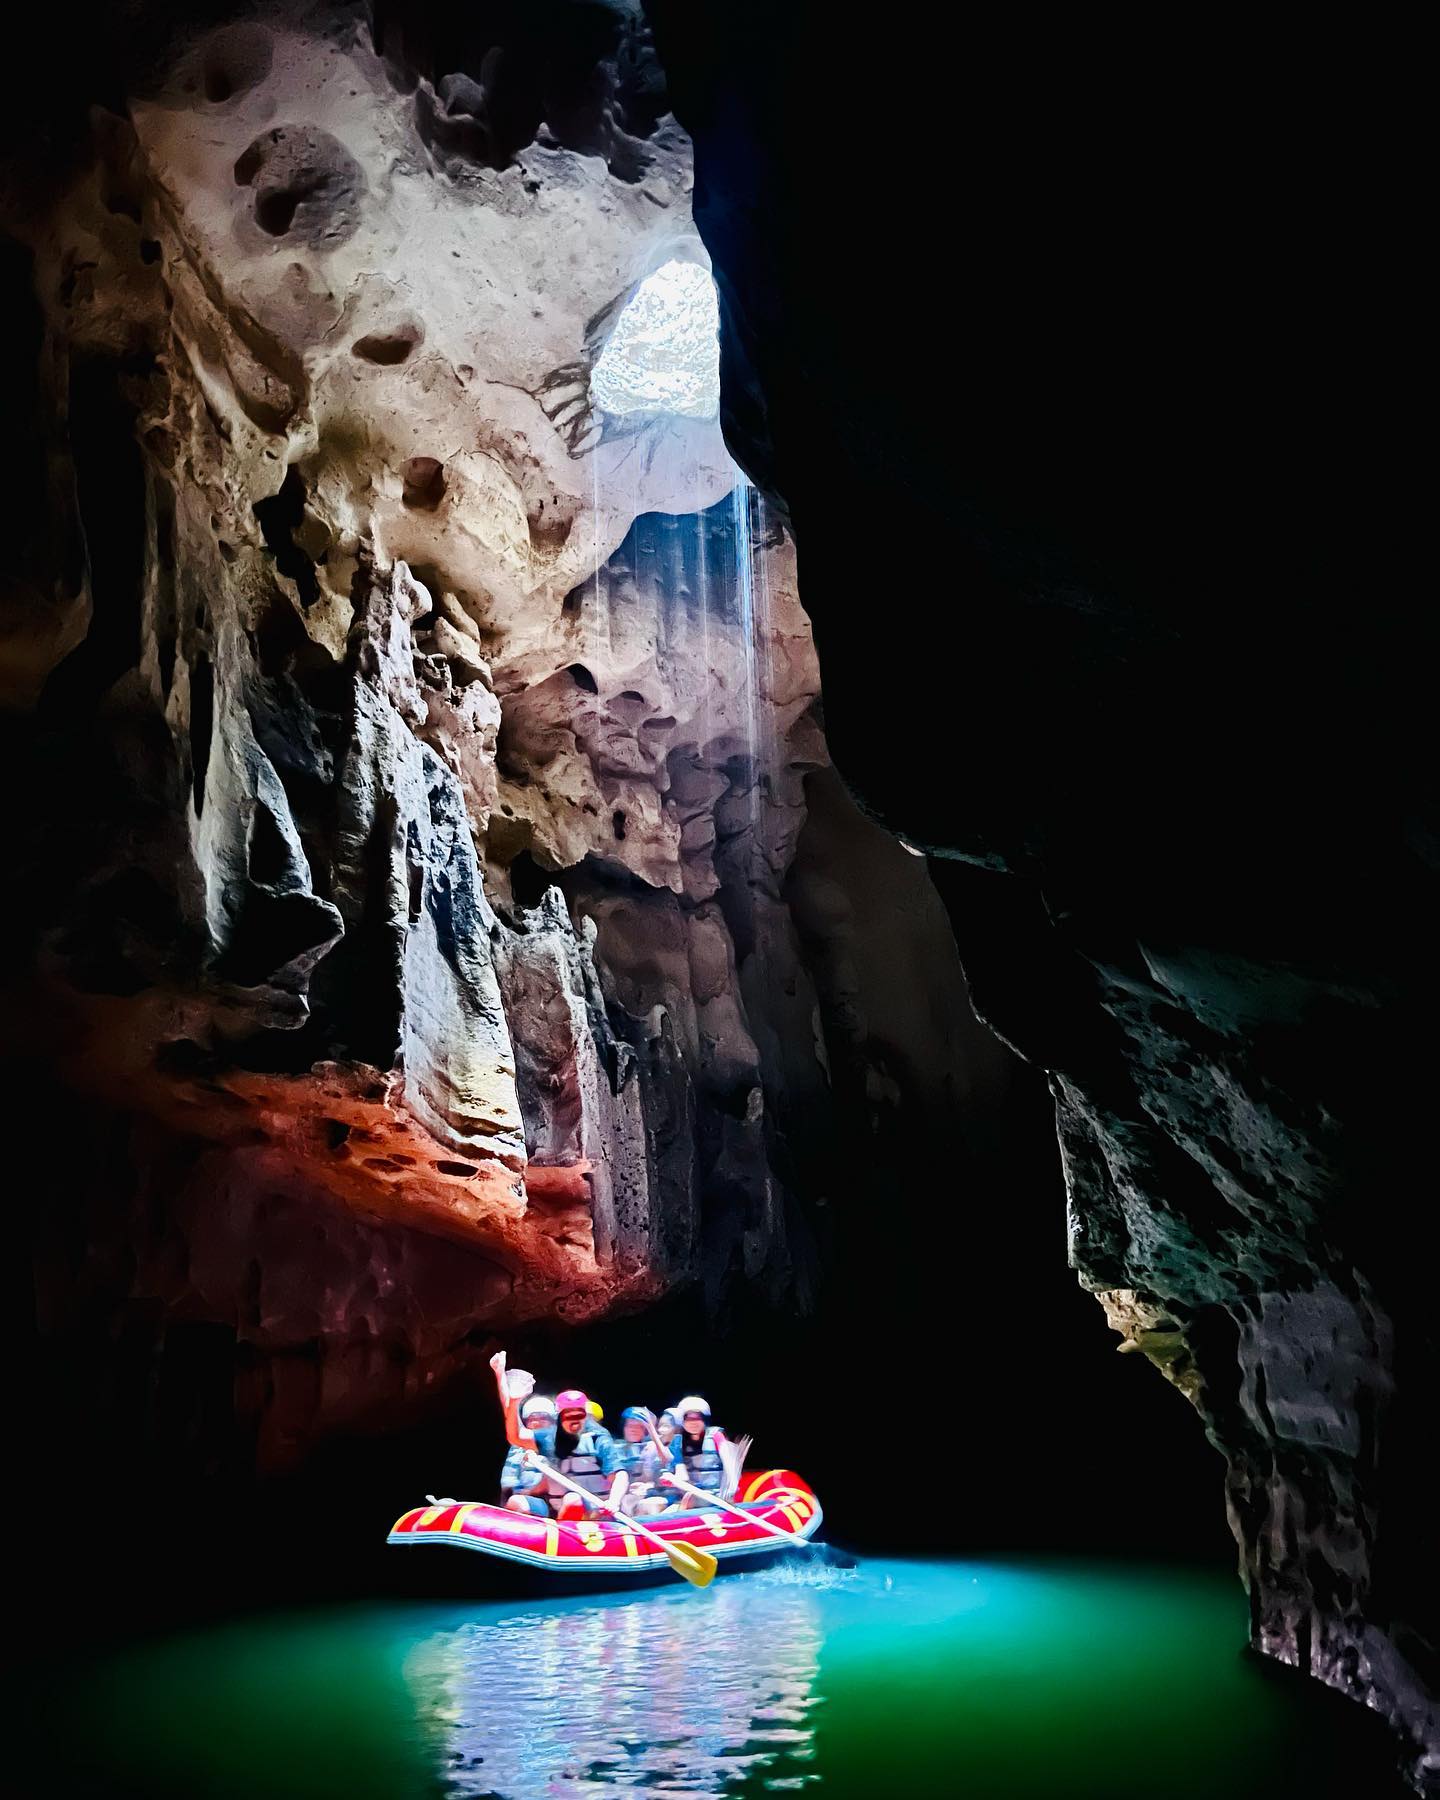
[(664, 354)]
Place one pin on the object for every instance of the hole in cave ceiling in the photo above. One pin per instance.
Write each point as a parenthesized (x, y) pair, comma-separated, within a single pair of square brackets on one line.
[(663, 355)]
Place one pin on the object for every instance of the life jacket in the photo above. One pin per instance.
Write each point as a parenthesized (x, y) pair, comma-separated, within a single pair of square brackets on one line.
[(635, 1459), (516, 1477), (582, 1465), (703, 1466)]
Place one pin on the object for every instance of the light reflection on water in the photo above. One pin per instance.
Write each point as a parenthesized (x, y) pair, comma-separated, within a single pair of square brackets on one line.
[(681, 1693), (927, 1680)]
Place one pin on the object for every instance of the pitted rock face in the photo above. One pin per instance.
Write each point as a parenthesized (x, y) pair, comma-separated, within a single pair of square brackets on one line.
[(669, 706), (374, 532), (444, 873), (442, 326), (307, 186)]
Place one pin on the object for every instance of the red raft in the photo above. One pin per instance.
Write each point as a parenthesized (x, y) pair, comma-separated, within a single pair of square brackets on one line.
[(609, 1547)]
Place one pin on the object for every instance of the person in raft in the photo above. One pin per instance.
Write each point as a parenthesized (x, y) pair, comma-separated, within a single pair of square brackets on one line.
[(521, 1487), (645, 1457), (701, 1447), (577, 1445)]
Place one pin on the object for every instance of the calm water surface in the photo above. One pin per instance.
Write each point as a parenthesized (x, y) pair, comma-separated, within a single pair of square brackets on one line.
[(898, 1678)]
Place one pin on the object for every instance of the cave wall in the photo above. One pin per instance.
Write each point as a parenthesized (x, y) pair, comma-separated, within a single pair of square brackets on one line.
[(1119, 369), (396, 895), (412, 761)]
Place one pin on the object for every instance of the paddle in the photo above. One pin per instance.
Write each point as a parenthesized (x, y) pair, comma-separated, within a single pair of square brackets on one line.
[(697, 1566), (689, 1487)]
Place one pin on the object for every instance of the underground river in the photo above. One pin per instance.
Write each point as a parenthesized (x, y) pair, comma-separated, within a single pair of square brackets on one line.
[(917, 1677)]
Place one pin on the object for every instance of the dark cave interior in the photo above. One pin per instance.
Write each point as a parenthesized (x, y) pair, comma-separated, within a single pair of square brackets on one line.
[(1064, 383)]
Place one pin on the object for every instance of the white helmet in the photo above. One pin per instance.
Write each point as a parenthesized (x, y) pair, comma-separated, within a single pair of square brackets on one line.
[(691, 1403), (536, 1405)]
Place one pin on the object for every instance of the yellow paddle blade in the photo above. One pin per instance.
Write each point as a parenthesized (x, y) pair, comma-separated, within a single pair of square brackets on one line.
[(697, 1566)]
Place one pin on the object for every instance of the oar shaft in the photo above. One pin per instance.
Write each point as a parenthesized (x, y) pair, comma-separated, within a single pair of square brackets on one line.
[(604, 1505), (689, 1487)]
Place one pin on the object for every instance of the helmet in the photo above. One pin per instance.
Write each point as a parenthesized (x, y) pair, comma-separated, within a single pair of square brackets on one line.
[(537, 1406), (640, 1414), (595, 1410), (691, 1403), (571, 1400)]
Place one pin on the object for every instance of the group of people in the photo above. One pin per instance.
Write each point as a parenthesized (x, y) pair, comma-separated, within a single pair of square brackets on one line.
[(562, 1462)]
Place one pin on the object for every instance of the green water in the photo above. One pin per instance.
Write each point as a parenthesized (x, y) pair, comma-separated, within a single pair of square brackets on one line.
[(899, 1678)]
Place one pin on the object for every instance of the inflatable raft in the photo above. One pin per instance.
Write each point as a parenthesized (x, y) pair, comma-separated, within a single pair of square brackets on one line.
[(602, 1546)]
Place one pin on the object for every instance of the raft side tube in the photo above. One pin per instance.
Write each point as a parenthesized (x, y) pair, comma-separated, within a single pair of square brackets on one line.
[(605, 1546)]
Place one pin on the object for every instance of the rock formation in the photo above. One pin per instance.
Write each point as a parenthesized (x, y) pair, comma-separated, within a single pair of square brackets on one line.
[(431, 742), (434, 891)]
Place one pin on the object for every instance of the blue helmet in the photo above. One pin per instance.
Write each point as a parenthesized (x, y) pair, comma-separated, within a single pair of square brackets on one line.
[(639, 1413)]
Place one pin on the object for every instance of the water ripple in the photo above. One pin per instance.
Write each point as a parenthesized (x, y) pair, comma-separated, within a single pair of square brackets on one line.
[(676, 1694)]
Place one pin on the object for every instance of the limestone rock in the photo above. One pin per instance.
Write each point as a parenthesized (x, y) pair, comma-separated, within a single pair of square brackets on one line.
[(436, 754)]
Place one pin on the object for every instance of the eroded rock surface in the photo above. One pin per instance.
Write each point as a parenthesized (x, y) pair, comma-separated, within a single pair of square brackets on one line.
[(432, 745), (441, 737)]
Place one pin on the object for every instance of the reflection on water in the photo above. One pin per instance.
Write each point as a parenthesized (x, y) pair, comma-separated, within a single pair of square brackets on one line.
[(681, 1693), (925, 1680)]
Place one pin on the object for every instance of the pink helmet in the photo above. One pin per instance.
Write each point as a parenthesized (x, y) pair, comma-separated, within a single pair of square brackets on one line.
[(571, 1400)]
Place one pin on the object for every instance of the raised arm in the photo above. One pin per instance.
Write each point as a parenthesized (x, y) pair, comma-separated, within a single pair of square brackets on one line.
[(515, 1432)]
